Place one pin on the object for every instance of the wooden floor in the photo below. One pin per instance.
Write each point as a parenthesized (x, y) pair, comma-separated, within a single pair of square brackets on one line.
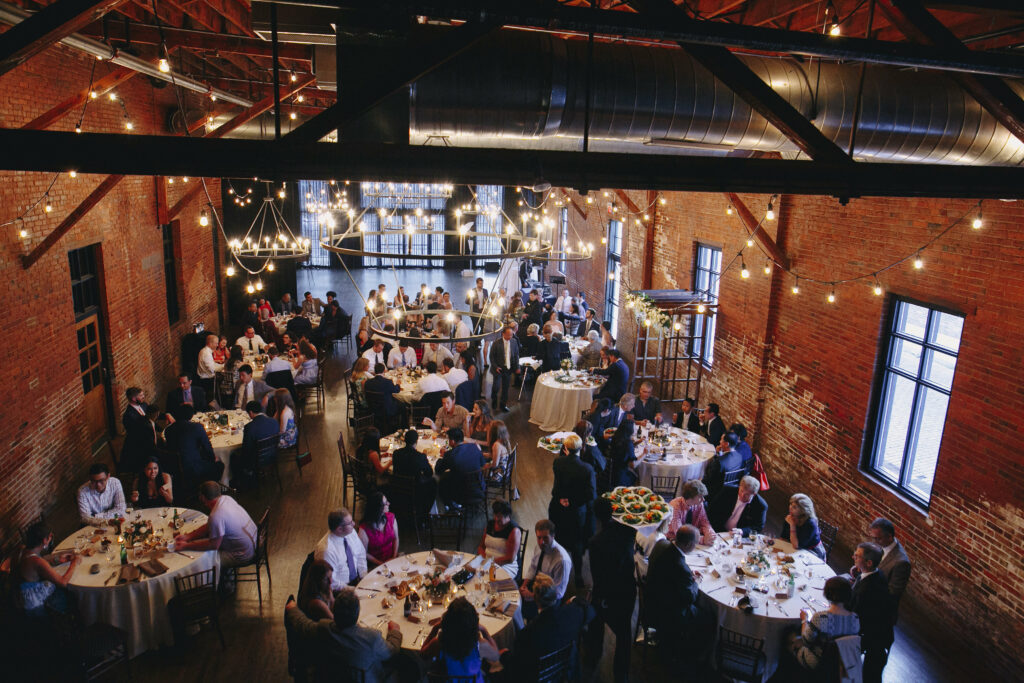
[(256, 648)]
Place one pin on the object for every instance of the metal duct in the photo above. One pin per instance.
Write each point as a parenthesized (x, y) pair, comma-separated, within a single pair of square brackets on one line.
[(531, 85)]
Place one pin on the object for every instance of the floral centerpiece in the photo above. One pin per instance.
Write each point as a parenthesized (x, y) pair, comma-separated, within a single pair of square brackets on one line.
[(566, 366), (438, 585), (136, 531), (757, 562)]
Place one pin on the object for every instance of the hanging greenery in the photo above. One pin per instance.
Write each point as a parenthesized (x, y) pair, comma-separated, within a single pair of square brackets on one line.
[(647, 312)]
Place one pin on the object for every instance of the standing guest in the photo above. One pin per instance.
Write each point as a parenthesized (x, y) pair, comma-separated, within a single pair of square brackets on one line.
[(504, 362), (477, 297), (221, 353), (739, 507), (250, 341), (479, 422), (189, 440), (432, 381), (555, 627), (894, 564), (687, 417), (285, 306), (186, 393), (229, 529), (711, 425), (37, 587), (501, 538), (572, 498), (499, 447), (617, 374), (307, 370), (402, 357), (316, 599), (449, 416), (276, 362), (410, 463), (622, 454), (379, 530), (873, 605), (590, 324), (551, 350), (825, 626), (801, 527), (281, 407), (563, 304), (588, 453), (600, 409), (531, 342), (206, 367), (689, 509), (101, 497), (461, 459), (455, 643), (672, 606), (647, 408), (452, 375), (590, 356), (250, 389), (340, 548), (152, 487), (608, 575), (550, 559), (245, 460), (375, 354), (140, 437), (435, 353), (726, 459), (311, 306)]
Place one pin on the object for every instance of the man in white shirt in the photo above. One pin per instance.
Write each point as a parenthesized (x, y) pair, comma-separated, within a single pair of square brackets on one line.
[(402, 357), (229, 529), (375, 354), (207, 368), (101, 497), (550, 558), (563, 305), (341, 548), (275, 363), (250, 341), (250, 389), (453, 375), (436, 353), (431, 381)]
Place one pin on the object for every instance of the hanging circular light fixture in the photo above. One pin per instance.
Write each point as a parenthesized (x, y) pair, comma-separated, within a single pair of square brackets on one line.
[(269, 241)]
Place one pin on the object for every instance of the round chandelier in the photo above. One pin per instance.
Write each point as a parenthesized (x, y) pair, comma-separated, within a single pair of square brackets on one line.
[(268, 239)]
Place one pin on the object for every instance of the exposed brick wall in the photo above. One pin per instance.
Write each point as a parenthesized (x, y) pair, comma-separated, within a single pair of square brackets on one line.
[(799, 372), (45, 440)]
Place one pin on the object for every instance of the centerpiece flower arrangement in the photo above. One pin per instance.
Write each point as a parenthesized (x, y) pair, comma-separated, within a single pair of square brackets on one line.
[(438, 585), (566, 366)]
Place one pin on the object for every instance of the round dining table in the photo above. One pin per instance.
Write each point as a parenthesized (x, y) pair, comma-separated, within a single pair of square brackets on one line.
[(140, 607), (224, 438), (281, 321), (672, 452), (773, 612), (430, 443), (373, 590), (406, 379), (557, 404)]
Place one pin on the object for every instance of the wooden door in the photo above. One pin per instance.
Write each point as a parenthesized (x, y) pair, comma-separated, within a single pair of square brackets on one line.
[(92, 371)]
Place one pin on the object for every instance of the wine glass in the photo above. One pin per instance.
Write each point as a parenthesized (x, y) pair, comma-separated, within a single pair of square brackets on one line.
[(164, 512)]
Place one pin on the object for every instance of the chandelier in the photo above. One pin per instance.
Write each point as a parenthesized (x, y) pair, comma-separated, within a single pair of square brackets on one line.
[(268, 239)]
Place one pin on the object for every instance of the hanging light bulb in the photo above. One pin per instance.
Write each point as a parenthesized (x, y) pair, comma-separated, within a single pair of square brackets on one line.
[(294, 77), (918, 262), (250, 289), (678, 326), (700, 309), (72, 174), (796, 286), (47, 206), (663, 202), (204, 218), (611, 275), (128, 125), (300, 98), (977, 223), (78, 128), (280, 193), (113, 96), (291, 115), (832, 295), (270, 267), (259, 285), (744, 273), (23, 233), (230, 271), (770, 213), (93, 94), (164, 65), (768, 268), (728, 210), (877, 289), (750, 242)]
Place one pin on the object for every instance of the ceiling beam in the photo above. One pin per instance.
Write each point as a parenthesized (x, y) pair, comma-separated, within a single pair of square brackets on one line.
[(755, 229), (100, 87), (236, 14), (572, 202), (633, 208), (46, 27), (206, 41), (29, 150)]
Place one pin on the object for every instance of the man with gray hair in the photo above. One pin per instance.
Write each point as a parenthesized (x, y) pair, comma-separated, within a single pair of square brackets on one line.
[(647, 408), (739, 507), (873, 605), (590, 355), (894, 563)]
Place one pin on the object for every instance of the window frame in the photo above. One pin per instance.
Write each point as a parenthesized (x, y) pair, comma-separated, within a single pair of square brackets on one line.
[(612, 286), (714, 283), (168, 239), (563, 237)]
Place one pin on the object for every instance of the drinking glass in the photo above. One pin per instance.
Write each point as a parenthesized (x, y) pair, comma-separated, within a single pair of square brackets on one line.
[(164, 512)]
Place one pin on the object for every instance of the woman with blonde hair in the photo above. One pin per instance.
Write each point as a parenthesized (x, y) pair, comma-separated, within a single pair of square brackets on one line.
[(499, 447), (801, 527)]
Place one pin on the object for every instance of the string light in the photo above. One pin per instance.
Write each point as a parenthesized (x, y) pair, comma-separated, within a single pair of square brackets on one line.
[(291, 115), (918, 261), (47, 206), (93, 94), (770, 213), (78, 128), (832, 295), (204, 218), (113, 96), (294, 77), (977, 223), (164, 66), (230, 271), (750, 242), (768, 268), (728, 210), (744, 273), (877, 289), (72, 174), (796, 286)]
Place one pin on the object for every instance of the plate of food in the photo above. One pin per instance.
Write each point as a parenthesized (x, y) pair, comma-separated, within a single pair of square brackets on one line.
[(610, 495), (636, 507), (632, 519), (657, 507), (618, 508), (651, 497), (654, 516)]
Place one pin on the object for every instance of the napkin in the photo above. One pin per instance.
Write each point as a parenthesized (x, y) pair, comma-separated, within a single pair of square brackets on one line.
[(129, 573), (500, 606), (502, 585), (448, 559), (153, 567)]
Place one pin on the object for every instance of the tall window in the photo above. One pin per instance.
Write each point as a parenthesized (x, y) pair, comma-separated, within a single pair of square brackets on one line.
[(316, 194), (920, 347), (614, 275), (488, 220), (85, 283), (395, 207), (563, 235), (170, 274), (707, 271)]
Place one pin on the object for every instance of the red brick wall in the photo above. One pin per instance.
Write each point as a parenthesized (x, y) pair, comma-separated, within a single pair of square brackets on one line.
[(45, 445), (799, 371)]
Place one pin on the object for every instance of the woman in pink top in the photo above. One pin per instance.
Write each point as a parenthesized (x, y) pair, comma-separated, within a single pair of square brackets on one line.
[(689, 509), (378, 530)]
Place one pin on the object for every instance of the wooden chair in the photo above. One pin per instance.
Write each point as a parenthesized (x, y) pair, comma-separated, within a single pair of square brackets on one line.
[(295, 452), (259, 559), (665, 487), (266, 459), (447, 530), (828, 534), (363, 423), (196, 602), (739, 656), (346, 471), (502, 487), (555, 667), (87, 652), (474, 496), (732, 477), (363, 480), (521, 554)]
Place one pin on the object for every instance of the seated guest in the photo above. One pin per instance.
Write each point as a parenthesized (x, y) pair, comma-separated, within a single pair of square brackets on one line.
[(276, 362), (551, 559), (600, 408), (221, 353), (436, 353), (501, 538), (894, 564), (742, 447), (689, 509), (229, 529), (265, 306), (874, 606), (189, 440), (824, 626), (289, 344), (316, 599), (711, 425), (245, 460), (555, 626), (645, 545), (622, 455), (450, 415), (330, 322), (589, 454), (379, 530), (250, 341), (186, 393), (250, 389), (412, 464), (369, 452), (531, 342), (461, 459), (590, 355), (556, 325), (801, 527), (499, 448), (687, 417), (340, 547), (152, 487), (647, 408), (299, 327), (363, 341), (311, 305), (432, 381), (376, 354), (380, 394), (402, 357), (281, 407), (551, 350), (726, 459), (617, 414), (672, 607), (466, 359), (307, 369), (285, 305), (342, 646), (139, 439), (267, 327), (618, 377), (36, 586), (452, 375), (455, 643), (479, 420), (101, 497), (739, 507), (206, 368)]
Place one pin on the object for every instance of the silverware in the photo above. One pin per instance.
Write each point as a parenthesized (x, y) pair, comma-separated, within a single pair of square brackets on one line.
[(191, 557), (110, 578)]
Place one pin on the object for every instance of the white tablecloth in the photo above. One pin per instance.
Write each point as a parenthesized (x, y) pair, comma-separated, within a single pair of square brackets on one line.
[(772, 615), (281, 321), (552, 443), (408, 381), (557, 407), (224, 439), (373, 588), (686, 456), (430, 444), (140, 609)]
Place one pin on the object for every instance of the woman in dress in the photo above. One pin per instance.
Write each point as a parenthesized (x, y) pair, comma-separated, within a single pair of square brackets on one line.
[(229, 377), (363, 340), (37, 586), (623, 455), (606, 334), (555, 323), (801, 527), (501, 538), (221, 353), (824, 626), (152, 486), (455, 642), (479, 420), (369, 451), (316, 600), (360, 373), (498, 447), (305, 364), (283, 411), (265, 306), (379, 530)]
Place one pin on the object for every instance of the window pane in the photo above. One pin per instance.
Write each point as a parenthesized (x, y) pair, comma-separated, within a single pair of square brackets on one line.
[(945, 330), (94, 356), (81, 338), (932, 411), (86, 384), (83, 361), (938, 368), (96, 377), (90, 333), (893, 424), (906, 356), (911, 320), (704, 258)]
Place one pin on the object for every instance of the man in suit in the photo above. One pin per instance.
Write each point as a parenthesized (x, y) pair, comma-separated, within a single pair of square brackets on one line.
[(285, 305), (244, 460), (504, 361), (534, 309), (555, 627), (608, 575), (251, 315), (186, 393), (189, 440), (727, 458), (894, 564), (376, 354), (618, 377), (739, 507), (873, 605), (411, 463), (712, 426), (590, 324), (139, 439), (647, 408), (525, 269), (671, 595), (250, 389), (312, 306), (687, 418), (380, 393), (551, 350), (461, 459), (572, 498), (342, 645), (476, 299)]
